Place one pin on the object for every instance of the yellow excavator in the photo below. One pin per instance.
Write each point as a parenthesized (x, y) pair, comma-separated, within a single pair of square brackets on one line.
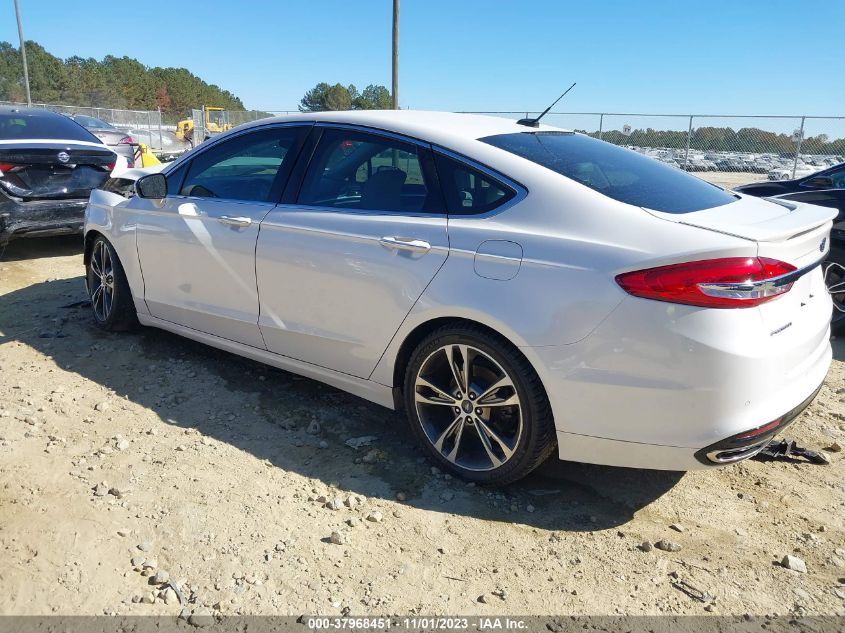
[(216, 121)]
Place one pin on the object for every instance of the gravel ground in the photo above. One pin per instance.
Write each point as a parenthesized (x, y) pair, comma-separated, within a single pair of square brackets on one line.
[(141, 469)]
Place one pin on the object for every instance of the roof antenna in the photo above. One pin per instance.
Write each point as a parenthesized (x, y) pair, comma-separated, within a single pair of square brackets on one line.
[(536, 122)]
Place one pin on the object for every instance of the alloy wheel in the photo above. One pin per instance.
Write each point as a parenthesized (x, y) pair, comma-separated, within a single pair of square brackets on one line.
[(468, 407), (835, 281), (102, 282)]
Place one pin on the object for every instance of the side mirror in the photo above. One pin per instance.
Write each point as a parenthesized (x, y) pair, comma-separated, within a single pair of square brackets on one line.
[(820, 182), (151, 186)]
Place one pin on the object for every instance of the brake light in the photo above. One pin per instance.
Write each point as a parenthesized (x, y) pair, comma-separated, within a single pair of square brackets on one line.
[(732, 282), (109, 166), (5, 167), (126, 140)]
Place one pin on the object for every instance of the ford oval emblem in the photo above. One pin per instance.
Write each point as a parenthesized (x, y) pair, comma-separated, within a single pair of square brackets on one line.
[(63, 157), (822, 245)]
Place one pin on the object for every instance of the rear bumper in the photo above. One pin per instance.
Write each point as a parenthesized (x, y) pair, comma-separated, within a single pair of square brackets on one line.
[(40, 218), (748, 443)]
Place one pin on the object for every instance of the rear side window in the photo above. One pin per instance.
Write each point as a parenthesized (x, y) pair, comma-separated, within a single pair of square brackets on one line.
[(467, 190), (42, 125), (363, 171), (616, 172)]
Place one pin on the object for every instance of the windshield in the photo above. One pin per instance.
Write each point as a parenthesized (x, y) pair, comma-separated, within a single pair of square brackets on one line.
[(92, 123), (616, 172), (42, 125)]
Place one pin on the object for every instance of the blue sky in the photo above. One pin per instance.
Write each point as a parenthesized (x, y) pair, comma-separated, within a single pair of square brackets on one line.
[(719, 56)]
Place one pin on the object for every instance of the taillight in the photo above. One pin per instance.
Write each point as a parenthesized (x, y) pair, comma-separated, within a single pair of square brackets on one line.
[(5, 167), (126, 140), (732, 282), (109, 166)]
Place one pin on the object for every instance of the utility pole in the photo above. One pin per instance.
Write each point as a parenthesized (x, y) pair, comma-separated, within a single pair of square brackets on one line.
[(23, 53), (395, 85)]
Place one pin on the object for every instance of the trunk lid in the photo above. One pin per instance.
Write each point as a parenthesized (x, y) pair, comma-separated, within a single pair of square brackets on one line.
[(792, 232), (31, 170)]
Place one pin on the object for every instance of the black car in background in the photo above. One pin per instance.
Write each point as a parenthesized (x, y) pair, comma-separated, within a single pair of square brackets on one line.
[(827, 189), (48, 166)]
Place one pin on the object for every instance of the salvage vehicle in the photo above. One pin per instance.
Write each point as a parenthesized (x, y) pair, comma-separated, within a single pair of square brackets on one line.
[(121, 142), (516, 288), (827, 189), (48, 166)]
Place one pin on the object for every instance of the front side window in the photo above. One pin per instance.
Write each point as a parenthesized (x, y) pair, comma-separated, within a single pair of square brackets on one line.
[(248, 167), (358, 170), (467, 190), (614, 171)]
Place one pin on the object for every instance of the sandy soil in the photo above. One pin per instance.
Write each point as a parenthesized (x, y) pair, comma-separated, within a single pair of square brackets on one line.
[(132, 465)]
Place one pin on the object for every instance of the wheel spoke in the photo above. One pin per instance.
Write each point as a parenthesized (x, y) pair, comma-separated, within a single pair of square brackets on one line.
[(107, 301), (447, 398), (96, 299), (453, 454), (107, 267), (95, 264), (486, 430), (449, 350), (503, 382), (466, 374), (488, 448), (456, 425)]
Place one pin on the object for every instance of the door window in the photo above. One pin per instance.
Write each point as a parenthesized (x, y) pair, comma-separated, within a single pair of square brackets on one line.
[(250, 167), (358, 170), (467, 190)]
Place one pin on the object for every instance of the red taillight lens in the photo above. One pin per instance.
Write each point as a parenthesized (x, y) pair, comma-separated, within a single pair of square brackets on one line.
[(126, 140), (6, 167), (732, 282), (109, 166)]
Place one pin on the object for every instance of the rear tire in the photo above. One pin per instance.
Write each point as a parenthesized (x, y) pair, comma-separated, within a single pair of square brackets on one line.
[(467, 424), (108, 289), (835, 280)]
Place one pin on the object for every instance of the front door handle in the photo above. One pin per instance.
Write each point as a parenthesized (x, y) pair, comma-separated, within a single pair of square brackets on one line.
[(405, 244), (235, 221)]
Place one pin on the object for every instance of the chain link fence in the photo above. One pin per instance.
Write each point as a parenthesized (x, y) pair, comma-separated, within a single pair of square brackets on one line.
[(729, 150), (144, 126)]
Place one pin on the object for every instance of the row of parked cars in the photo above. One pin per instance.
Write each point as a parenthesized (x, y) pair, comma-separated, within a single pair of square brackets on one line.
[(776, 167)]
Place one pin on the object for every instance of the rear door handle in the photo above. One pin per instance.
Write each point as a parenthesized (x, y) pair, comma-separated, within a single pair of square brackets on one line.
[(235, 221), (405, 244)]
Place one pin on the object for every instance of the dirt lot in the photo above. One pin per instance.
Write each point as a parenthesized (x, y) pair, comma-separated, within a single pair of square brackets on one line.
[(120, 451)]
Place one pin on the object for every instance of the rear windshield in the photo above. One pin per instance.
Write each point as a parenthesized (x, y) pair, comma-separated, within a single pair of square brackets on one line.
[(92, 122), (616, 172), (42, 125)]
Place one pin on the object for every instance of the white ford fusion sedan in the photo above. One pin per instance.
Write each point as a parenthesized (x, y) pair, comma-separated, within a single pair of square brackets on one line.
[(516, 289)]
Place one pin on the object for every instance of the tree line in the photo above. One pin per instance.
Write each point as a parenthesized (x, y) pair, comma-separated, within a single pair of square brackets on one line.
[(324, 96), (725, 139), (113, 82)]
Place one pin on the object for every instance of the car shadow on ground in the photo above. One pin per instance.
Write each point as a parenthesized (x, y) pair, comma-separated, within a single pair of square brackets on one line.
[(267, 412), (29, 248)]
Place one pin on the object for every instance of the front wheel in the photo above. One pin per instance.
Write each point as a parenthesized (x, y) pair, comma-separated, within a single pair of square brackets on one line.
[(108, 289), (477, 406)]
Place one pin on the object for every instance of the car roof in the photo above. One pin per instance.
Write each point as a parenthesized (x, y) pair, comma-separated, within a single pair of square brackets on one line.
[(433, 126), (27, 111)]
